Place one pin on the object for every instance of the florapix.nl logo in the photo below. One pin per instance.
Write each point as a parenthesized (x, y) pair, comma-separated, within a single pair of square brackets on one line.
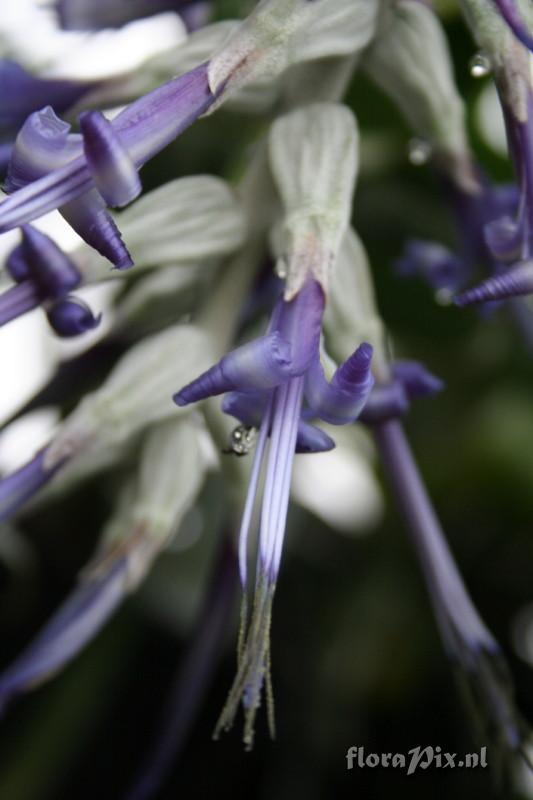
[(416, 758)]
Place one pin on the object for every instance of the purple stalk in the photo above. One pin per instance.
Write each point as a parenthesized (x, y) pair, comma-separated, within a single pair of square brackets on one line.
[(18, 487), (193, 679), (467, 640), (17, 300)]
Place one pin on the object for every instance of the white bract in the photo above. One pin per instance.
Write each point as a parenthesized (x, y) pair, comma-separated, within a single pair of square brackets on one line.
[(410, 60), (313, 156), (137, 393), (192, 219), (279, 33)]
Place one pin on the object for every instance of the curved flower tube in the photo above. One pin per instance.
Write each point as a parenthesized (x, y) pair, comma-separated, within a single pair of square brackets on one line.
[(268, 380), (23, 93), (72, 317), (52, 168), (468, 642)]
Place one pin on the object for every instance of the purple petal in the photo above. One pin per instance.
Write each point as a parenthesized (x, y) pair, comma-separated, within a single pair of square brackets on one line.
[(195, 15), (44, 144), (17, 265), (149, 124), (72, 317), (247, 407), (6, 151), (250, 407), (437, 265), (504, 237), (18, 487), (89, 217), (262, 363), (416, 379), (520, 139), (514, 282), (68, 631), (18, 300), (113, 172), (342, 400), (299, 323), (143, 128), (385, 402), (311, 439), (47, 265)]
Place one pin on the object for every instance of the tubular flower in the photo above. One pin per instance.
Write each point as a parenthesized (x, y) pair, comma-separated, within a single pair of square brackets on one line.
[(82, 173), (508, 235), (45, 275), (266, 382), (23, 93)]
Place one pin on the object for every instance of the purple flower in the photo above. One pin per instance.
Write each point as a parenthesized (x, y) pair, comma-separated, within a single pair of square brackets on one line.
[(409, 381), (469, 644), (475, 214), (92, 15), (23, 93), (508, 236), (72, 317), (433, 262), (266, 382), (45, 275), (82, 173)]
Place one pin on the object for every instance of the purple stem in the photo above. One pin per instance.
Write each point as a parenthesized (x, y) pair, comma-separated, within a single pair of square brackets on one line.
[(17, 300), (444, 583), (193, 678)]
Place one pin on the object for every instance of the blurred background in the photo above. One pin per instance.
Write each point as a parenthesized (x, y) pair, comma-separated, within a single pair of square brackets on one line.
[(356, 655)]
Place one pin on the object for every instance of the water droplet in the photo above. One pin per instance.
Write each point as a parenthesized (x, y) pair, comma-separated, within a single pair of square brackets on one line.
[(242, 440), (480, 66), (281, 268), (419, 152)]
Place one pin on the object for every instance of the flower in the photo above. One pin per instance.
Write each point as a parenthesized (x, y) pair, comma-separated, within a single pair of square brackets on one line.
[(44, 274), (79, 174), (23, 93), (508, 231), (267, 380)]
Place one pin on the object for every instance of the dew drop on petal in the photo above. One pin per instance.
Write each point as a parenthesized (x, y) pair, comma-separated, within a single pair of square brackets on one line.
[(281, 268), (418, 152), (480, 66), (242, 440)]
